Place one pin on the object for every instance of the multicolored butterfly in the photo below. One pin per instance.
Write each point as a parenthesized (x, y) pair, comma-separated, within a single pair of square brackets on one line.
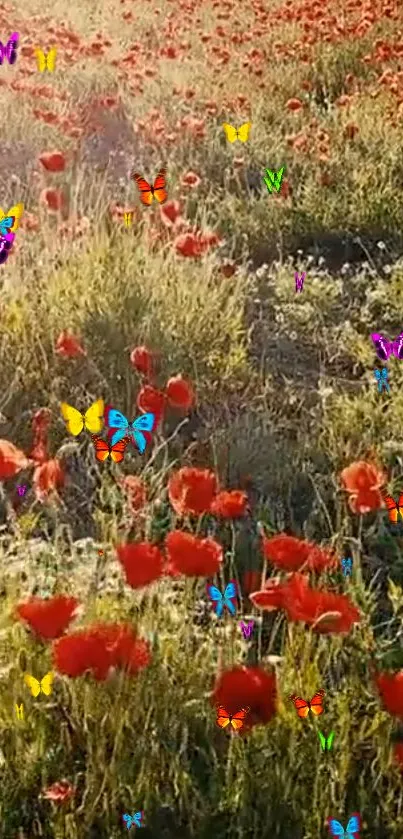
[(235, 721), (46, 61), (352, 830), (241, 133), (394, 510), (135, 819), (36, 686), (9, 51), (227, 599), (303, 706), (385, 348), (148, 192), (9, 223), (103, 450), (92, 420), (118, 421)]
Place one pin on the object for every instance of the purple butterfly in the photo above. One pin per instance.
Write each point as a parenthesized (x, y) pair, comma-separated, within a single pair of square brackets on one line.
[(385, 348), (5, 247), (10, 50)]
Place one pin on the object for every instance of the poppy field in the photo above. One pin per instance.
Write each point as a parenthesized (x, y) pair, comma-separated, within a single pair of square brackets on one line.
[(132, 691)]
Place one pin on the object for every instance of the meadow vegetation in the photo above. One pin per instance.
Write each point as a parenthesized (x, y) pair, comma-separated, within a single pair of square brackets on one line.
[(278, 397)]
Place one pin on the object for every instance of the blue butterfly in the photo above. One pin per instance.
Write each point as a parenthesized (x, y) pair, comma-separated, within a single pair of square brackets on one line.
[(351, 831), (219, 600), (347, 565), (6, 225), (117, 420), (382, 379), (135, 819)]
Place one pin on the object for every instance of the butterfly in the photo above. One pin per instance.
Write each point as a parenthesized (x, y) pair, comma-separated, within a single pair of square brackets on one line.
[(92, 419), (385, 348), (247, 630), (46, 61), (382, 379), (128, 218), (352, 829), (134, 819), (228, 599), (45, 685), (303, 706), (326, 743), (103, 450), (19, 710), (9, 51), (393, 509), (148, 192), (118, 421), (10, 221), (347, 565), (235, 721), (241, 133), (299, 281)]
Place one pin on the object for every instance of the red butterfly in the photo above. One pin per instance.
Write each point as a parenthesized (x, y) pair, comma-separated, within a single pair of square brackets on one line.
[(234, 720), (315, 704), (148, 192), (393, 509), (103, 450)]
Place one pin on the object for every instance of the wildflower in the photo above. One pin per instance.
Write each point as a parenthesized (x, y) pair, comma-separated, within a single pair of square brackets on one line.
[(151, 400), (290, 554), (190, 179), (98, 649), (142, 360), (142, 562), (68, 346), (228, 268), (48, 618), (179, 393), (53, 198), (243, 687), (12, 460), (323, 610), (192, 556), (192, 490), (230, 504), (60, 792), (48, 477), (294, 104), (40, 426), (272, 597), (363, 481), (170, 212), (135, 490), (351, 130), (390, 687), (53, 161)]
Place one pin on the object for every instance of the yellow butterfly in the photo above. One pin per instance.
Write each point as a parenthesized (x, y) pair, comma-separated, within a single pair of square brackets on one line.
[(128, 218), (45, 685), (19, 711), (14, 212), (46, 62), (241, 133), (92, 420)]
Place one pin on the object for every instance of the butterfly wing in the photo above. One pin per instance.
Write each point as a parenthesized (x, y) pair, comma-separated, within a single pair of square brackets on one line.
[(400, 505), (398, 346), (230, 132), (217, 598), (230, 595), (40, 59), (102, 449), (243, 132), (93, 417), (117, 420), (391, 507), (137, 818), (51, 59), (354, 825), (223, 717), (146, 195), (322, 740), (329, 741), (335, 828), (160, 192), (46, 684), (32, 684), (128, 820), (383, 347), (6, 225), (74, 419), (117, 451), (238, 719), (301, 705), (316, 703), (143, 423)]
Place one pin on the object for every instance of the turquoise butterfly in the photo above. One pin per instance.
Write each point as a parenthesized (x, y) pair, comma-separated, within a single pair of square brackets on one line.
[(118, 421), (352, 829)]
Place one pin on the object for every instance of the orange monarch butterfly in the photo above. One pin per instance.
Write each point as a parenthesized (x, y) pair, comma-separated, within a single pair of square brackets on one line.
[(148, 192), (393, 508), (303, 706), (235, 721), (103, 450)]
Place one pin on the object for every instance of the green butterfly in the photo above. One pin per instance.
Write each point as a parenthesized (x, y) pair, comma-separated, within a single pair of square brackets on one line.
[(326, 743)]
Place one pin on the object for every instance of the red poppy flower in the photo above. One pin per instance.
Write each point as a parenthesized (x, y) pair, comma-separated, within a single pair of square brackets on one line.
[(53, 161), (230, 504), (390, 687), (363, 481), (151, 400), (135, 490), (60, 792), (170, 212), (272, 597), (192, 490), (142, 562), (290, 554), (142, 360), (251, 687), (53, 198), (294, 104), (323, 610), (68, 346), (99, 648), (12, 460), (48, 618), (194, 557), (48, 477), (190, 179), (180, 393), (40, 426)]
